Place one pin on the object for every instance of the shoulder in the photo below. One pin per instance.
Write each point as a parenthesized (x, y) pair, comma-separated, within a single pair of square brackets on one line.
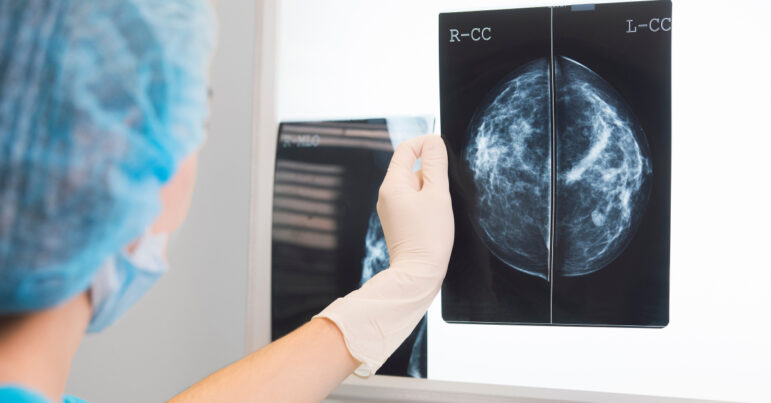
[(15, 394)]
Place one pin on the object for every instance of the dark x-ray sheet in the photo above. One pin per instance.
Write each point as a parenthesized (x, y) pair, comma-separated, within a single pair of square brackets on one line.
[(327, 238), (557, 122)]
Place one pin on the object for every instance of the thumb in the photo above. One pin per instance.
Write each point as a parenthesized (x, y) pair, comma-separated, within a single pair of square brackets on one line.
[(433, 162)]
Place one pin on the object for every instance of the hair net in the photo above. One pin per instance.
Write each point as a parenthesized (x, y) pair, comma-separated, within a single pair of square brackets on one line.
[(99, 102)]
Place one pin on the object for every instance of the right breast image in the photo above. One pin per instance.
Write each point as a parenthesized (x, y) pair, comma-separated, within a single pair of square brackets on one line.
[(558, 131)]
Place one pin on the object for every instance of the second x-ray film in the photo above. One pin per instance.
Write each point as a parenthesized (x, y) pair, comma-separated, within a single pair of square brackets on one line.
[(557, 122), (327, 237)]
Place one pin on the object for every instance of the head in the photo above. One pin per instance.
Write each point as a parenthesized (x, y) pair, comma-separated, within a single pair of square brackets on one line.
[(103, 107)]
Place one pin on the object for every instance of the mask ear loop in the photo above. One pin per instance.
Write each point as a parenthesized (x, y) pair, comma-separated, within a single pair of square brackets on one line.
[(145, 252), (110, 283), (149, 252)]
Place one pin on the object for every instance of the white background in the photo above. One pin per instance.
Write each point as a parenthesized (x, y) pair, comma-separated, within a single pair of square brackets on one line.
[(352, 58)]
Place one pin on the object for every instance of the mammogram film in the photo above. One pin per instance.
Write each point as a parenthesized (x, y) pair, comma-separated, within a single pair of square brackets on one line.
[(327, 237), (558, 127)]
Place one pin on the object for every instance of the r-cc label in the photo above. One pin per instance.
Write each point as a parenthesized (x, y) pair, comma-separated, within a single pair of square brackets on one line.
[(475, 34)]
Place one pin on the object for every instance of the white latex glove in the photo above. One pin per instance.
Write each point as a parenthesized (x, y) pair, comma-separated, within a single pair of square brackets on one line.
[(416, 214)]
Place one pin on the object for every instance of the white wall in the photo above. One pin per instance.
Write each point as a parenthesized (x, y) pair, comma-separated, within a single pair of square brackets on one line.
[(342, 58), (192, 322)]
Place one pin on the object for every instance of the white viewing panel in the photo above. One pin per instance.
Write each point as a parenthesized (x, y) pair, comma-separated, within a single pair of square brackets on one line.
[(340, 59)]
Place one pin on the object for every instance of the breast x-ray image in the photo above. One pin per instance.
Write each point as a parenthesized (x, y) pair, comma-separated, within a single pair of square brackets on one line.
[(557, 122), (327, 237)]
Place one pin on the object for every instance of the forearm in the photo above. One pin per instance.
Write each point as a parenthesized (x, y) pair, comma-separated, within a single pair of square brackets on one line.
[(304, 366)]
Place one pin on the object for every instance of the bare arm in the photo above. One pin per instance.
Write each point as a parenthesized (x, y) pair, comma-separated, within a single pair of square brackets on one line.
[(304, 366)]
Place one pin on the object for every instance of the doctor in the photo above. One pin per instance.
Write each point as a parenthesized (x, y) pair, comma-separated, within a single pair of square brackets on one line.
[(103, 106)]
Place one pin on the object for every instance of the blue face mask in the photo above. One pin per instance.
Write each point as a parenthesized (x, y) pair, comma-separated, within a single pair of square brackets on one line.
[(124, 278)]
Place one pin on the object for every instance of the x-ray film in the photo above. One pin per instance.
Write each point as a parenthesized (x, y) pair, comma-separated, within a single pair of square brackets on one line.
[(557, 122), (327, 238)]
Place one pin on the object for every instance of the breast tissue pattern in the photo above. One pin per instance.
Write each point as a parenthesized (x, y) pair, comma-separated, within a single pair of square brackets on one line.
[(603, 170)]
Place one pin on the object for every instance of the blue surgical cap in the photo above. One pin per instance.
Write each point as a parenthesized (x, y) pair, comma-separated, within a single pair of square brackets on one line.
[(99, 103)]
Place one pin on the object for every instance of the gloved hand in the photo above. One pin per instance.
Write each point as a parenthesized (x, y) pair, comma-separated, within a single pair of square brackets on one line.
[(416, 214)]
